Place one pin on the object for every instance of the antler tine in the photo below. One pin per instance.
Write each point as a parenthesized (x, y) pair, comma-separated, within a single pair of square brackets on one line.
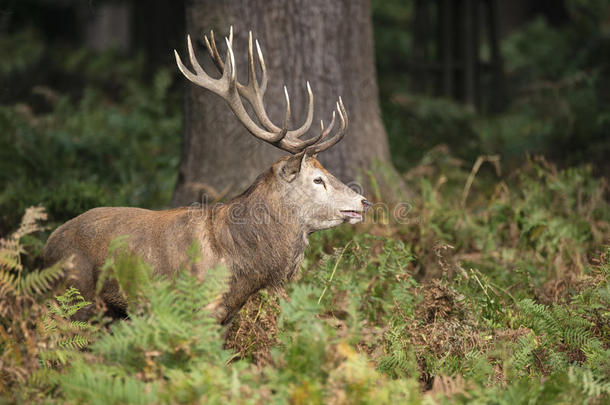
[(261, 61), (297, 133), (323, 133), (213, 51), (233, 98), (254, 92), (287, 114), (251, 69), (201, 79), (322, 146), (330, 127), (194, 63), (307, 144), (226, 87), (210, 45), (343, 111), (230, 70), (232, 91)]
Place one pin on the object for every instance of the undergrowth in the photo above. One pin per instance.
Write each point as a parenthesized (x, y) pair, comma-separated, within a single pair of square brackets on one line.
[(504, 298), (87, 144)]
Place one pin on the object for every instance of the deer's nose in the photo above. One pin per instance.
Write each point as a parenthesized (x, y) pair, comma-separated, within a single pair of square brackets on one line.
[(366, 203)]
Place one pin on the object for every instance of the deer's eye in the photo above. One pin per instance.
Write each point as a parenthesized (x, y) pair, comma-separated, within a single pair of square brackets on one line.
[(318, 180)]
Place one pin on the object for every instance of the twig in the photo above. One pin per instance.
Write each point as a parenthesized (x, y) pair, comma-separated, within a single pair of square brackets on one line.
[(494, 159), (333, 272)]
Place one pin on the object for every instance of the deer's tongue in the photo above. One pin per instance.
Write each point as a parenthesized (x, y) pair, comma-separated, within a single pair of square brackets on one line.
[(352, 214)]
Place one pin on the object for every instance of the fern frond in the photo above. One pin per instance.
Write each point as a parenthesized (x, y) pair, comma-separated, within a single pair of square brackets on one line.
[(79, 325), (591, 385), (74, 342), (539, 317), (69, 303), (29, 222), (49, 324), (101, 385), (575, 337), (399, 359), (11, 280), (43, 377), (8, 283), (41, 281), (522, 356), (556, 360), (10, 248), (48, 358), (9, 255)]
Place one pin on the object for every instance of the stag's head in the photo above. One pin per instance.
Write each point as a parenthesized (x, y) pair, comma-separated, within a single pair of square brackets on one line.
[(316, 197)]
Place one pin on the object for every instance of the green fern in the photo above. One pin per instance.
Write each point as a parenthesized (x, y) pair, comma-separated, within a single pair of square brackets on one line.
[(13, 281), (37, 338), (560, 332), (591, 385), (399, 359), (134, 280), (64, 336), (106, 385), (39, 282), (522, 358), (557, 323), (539, 318), (68, 303), (169, 334)]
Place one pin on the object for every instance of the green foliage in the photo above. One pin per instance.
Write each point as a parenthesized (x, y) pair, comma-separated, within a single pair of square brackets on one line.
[(107, 146), (37, 336), (68, 304), (557, 78), (399, 360), (561, 338), (497, 300), (130, 272), (65, 336), (17, 282), (106, 385), (19, 58)]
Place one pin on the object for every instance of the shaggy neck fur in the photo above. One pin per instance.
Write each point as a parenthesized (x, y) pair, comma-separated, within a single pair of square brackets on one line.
[(261, 238)]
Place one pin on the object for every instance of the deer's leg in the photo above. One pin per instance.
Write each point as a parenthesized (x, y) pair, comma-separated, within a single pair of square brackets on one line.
[(217, 309), (234, 299), (116, 304)]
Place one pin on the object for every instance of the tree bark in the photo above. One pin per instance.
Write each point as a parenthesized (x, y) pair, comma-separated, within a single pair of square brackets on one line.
[(328, 43)]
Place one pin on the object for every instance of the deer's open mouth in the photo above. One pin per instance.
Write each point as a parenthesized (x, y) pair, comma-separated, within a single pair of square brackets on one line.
[(352, 214)]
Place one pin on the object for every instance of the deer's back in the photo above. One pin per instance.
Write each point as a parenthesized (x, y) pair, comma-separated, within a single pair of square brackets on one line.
[(159, 237)]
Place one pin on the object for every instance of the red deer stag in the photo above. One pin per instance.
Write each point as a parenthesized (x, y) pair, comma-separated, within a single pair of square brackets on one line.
[(260, 236)]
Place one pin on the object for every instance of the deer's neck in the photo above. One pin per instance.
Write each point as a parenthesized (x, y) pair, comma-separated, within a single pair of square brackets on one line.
[(260, 236)]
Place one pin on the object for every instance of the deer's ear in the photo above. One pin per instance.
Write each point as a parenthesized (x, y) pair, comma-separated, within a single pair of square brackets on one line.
[(290, 168)]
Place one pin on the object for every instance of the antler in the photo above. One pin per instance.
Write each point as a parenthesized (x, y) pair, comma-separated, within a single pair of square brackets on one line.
[(231, 91)]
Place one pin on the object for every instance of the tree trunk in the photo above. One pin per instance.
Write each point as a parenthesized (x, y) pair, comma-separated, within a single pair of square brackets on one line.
[(328, 43), (107, 26)]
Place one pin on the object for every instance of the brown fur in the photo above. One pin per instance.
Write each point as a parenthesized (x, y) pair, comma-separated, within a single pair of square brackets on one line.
[(255, 235)]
